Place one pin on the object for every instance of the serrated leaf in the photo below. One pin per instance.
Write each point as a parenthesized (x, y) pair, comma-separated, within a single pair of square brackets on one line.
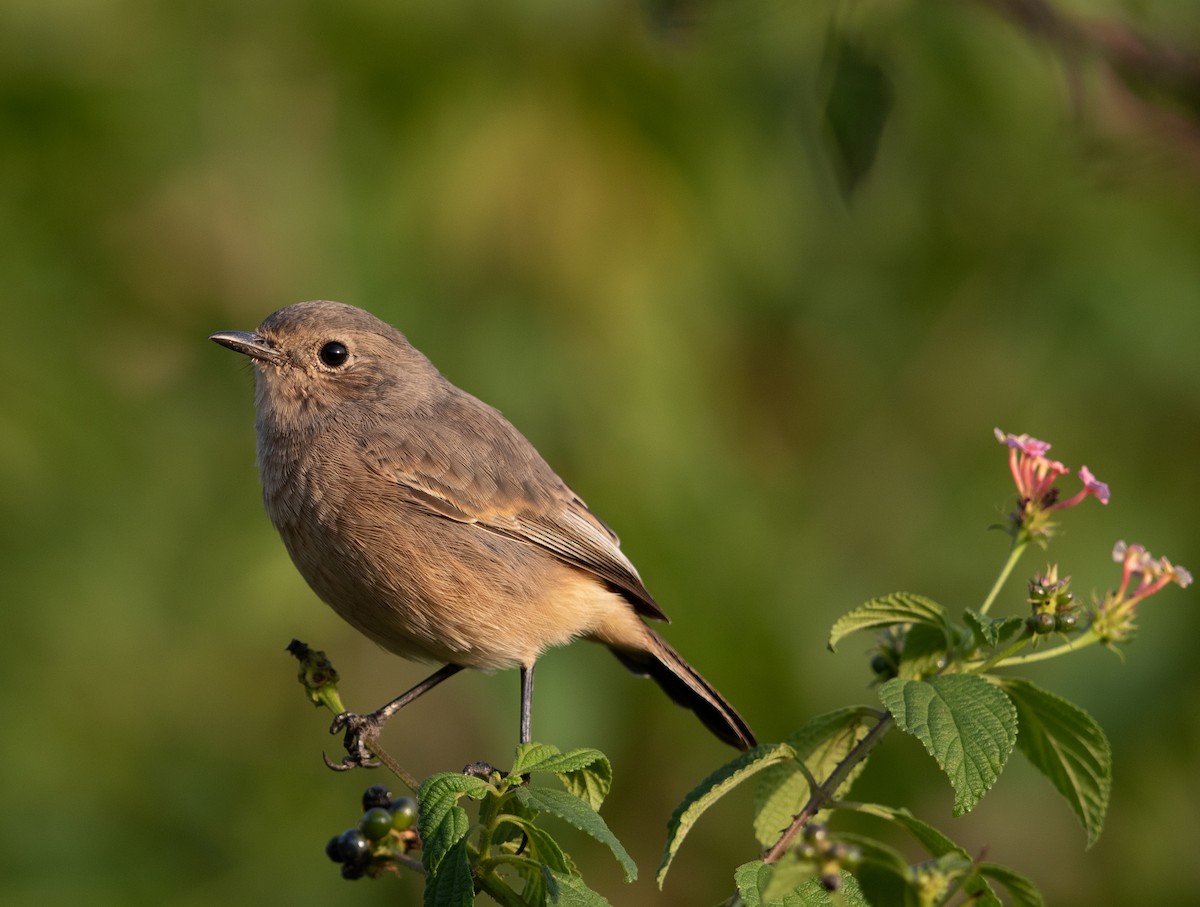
[(965, 722), (821, 743), (812, 894), (442, 822), (576, 812), (586, 773), (779, 879), (991, 631), (1065, 744), (540, 845), (753, 878), (533, 754), (451, 885), (745, 877), (888, 610), (1021, 891), (711, 789), (571, 891)]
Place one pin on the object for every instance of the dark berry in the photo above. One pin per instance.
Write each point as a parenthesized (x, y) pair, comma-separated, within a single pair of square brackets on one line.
[(352, 872), (333, 849), (354, 847), (1065, 621), (882, 665), (375, 823), (830, 881), (1041, 622), (404, 813), (376, 796)]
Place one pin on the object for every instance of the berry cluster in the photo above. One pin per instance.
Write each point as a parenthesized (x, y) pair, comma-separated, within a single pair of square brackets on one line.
[(1052, 603), (384, 830), (829, 856)]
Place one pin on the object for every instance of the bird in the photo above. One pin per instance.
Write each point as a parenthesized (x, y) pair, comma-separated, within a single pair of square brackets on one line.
[(429, 523)]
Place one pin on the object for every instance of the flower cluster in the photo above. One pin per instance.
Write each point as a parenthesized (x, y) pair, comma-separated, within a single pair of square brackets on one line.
[(1035, 476), (1114, 617)]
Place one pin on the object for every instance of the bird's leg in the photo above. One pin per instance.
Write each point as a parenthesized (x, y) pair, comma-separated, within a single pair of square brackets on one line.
[(526, 700), (362, 730)]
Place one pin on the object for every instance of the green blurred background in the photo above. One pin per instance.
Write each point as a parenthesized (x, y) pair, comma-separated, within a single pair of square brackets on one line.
[(759, 279)]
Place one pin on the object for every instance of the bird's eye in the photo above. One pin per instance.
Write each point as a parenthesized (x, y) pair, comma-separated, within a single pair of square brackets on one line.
[(334, 354)]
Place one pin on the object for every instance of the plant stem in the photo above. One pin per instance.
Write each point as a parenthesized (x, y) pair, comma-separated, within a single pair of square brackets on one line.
[(999, 657), (1014, 555), (823, 794), (393, 766), (1090, 637)]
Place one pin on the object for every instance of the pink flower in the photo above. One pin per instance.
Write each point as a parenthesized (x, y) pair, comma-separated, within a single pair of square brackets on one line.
[(1114, 616), (1153, 574), (1035, 474), (1091, 485)]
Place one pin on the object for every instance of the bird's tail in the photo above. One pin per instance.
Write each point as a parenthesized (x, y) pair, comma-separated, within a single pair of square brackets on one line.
[(687, 688)]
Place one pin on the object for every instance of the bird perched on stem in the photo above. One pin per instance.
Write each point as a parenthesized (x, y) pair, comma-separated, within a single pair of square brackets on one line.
[(430, 524)]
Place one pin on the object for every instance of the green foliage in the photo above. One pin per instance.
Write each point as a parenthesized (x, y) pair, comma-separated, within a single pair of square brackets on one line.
[(711, 789), (818, 746), (508, 835), (899, 608), (968, 725), (938, 683), (1067, 745)]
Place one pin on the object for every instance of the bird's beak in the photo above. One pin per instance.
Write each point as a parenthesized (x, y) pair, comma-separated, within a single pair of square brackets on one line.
[(248, 343)]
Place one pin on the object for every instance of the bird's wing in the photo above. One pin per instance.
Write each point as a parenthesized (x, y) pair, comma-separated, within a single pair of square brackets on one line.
[(498, 482)]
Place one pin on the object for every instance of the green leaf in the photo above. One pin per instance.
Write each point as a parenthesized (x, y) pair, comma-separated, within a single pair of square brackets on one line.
[(930, 838), (443, 823), (753, 878), (540, 845), (992, 631), (586, 773), (857, 107), (451, 885), (888, 610), (779, 879), (1021, 891), (576, 812), (924, 652), (711, 789), (533, 754), (966, 723), (821, 743), (570, 891), (1066, 745)]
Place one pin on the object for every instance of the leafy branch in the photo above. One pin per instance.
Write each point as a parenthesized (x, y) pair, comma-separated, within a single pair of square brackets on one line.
[(941, 679)]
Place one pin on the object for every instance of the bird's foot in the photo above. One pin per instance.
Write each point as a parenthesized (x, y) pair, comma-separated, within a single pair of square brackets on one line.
[(360, 731)]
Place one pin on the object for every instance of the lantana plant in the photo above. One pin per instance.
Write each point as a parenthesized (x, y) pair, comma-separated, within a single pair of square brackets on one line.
[(944, 676)]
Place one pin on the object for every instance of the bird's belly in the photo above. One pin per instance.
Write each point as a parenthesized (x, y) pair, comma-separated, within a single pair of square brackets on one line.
[(434, 589)]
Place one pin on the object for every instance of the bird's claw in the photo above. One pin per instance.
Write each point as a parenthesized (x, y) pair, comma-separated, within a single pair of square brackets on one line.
[(360, 732)]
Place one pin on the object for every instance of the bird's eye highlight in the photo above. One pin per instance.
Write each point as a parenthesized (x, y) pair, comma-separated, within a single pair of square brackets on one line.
[(334, 354)]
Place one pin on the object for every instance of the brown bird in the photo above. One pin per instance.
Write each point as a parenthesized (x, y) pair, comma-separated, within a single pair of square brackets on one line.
[(430, 524)]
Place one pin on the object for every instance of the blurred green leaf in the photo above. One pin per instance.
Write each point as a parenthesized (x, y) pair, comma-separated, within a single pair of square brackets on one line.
[(711, 789), (1065, 744), (821, 743)]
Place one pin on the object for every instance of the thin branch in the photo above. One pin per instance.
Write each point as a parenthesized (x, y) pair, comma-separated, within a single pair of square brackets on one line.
[(822, 794)]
